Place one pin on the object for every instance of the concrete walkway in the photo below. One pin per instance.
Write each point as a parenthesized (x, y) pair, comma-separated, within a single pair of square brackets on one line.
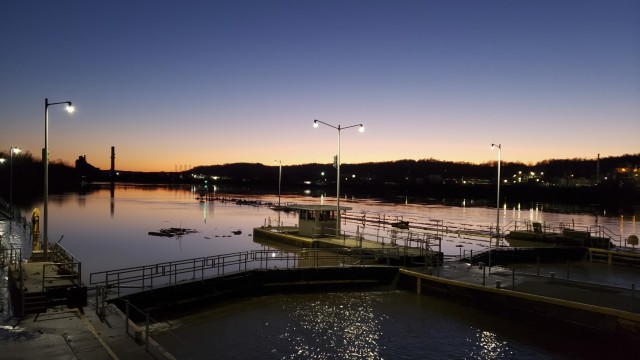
[(598, 284), (63, 333)]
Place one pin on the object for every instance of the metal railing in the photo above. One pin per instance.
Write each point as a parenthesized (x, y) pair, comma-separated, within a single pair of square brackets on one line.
[(61, 273), (65, 267), (422, 227), (173, 272), (137, 323), (599, 231)]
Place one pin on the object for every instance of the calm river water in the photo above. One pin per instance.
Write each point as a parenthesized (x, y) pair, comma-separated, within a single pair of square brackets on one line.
[(108, 231)]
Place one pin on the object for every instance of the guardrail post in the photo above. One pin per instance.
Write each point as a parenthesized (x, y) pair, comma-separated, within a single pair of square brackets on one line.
[(97, 300), (79, 273), (104, 295), (490, 260), (483, 274), (126, 320), (146, 332), (633, 298)]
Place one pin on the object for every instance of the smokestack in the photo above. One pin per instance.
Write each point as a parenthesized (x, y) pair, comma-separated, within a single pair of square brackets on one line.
[(113, 163), (598, 170)]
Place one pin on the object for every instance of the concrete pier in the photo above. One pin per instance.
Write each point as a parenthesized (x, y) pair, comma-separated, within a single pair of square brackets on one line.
[(386, 253)]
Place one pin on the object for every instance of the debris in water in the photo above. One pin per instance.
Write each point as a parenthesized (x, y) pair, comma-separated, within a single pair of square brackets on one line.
[(170, 232)]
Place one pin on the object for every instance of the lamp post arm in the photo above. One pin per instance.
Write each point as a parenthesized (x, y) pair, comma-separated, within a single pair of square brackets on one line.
[(47, 103), (329, 125), (350, 126)]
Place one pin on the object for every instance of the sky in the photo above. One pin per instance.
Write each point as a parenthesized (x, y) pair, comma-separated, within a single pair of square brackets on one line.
[(177, 84)]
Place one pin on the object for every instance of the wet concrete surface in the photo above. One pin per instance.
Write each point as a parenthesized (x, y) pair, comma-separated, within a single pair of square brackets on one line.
[(63, 333), (598, 284)]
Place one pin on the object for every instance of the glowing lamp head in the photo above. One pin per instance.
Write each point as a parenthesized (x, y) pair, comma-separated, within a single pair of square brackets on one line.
[(361, 128), (2, 160), (315, 123), (16, 150), (70, 108)]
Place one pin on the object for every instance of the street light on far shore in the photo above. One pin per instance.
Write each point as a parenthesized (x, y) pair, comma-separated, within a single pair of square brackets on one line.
[(339, 128), (499, 146), (45, 156)]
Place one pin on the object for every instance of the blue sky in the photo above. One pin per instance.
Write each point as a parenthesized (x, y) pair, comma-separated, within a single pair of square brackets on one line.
[(175, 83)]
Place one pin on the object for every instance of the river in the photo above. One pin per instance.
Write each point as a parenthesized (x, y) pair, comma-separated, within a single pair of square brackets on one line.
[(110, 229)]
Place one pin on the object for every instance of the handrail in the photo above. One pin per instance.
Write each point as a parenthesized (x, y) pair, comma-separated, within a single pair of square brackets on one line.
[(593, 230), (173, 272), (73, 275)]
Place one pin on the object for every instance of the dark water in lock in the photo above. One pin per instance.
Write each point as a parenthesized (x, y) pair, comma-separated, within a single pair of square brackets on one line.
[(370, 325)]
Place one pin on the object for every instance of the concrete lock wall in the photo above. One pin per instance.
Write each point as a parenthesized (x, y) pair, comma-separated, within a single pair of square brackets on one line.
[(261, 282), (542, 309)]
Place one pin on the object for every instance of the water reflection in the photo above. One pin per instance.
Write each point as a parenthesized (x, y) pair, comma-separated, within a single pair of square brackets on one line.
[(487, 345), (121, 239), (331, 325)]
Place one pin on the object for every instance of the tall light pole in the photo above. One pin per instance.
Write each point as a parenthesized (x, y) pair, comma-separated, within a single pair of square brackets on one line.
[(499, 146), (70, 109), (12, 151), (279, 162), (339, 128), (2, 160)]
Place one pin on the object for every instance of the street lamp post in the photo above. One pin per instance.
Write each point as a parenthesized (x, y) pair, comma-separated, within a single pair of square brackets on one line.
[(70, 109), (499, 146), (2, 160), (339, 128), (12, 151), (279, 179)]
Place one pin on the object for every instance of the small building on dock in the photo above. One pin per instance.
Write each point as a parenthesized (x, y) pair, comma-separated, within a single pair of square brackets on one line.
[(317, 220)]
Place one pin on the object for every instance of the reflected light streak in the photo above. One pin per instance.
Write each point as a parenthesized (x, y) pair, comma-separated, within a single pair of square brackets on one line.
[(491, 347), (350, 325)]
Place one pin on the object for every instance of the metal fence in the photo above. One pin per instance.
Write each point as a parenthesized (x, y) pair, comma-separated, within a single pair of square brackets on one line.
[(147, 277)]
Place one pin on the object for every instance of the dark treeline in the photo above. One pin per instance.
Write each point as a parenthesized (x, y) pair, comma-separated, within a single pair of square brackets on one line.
[(580, 181), (403, 171), (27, 174)]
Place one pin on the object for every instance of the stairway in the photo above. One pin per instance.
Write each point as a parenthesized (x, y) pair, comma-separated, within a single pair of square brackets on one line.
[(35, 303)]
